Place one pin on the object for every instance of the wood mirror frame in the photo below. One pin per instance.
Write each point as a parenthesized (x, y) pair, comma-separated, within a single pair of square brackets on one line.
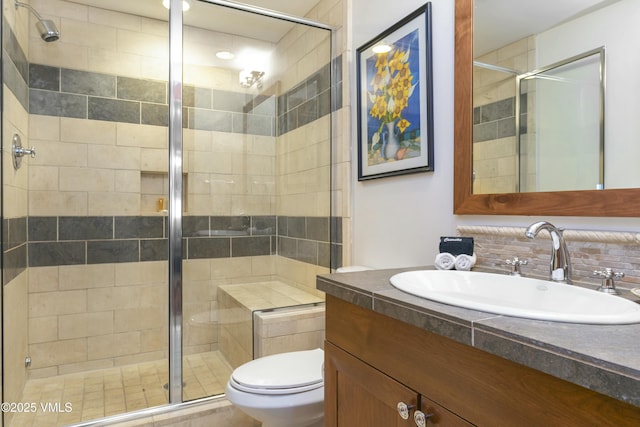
[(614, 203)]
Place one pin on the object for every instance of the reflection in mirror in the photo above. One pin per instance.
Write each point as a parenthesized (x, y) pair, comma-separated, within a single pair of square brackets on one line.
[(551, 137), (533, 142)]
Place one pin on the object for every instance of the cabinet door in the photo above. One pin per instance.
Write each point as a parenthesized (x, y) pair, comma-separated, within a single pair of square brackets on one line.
[(439, 416), (357, 394)]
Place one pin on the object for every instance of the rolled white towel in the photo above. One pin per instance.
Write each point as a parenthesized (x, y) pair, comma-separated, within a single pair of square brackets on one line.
[(465, 262), (445, 261)]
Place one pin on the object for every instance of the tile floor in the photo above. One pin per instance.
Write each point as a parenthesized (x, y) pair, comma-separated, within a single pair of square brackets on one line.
[(97, 394)]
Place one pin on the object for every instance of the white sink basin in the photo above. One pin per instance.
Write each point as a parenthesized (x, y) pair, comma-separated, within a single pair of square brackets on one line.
[(518, 296)]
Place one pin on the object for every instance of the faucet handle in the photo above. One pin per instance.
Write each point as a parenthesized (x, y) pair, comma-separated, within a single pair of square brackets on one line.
[(516, 263), (608, 280)]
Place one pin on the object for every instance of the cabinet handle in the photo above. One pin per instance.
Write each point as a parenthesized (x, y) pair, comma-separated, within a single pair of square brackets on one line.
[(403, 410), (421, 418)]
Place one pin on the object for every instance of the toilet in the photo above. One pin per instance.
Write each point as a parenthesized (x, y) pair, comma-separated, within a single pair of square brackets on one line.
[(281, 390)]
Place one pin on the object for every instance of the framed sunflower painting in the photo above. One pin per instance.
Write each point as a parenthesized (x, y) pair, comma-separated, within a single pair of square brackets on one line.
[(395, 99)]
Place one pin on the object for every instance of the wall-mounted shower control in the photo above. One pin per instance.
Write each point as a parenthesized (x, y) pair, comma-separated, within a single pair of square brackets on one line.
[(18, 152)]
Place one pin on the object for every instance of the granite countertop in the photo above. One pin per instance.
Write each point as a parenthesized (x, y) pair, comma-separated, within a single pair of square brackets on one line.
[(603, 358)]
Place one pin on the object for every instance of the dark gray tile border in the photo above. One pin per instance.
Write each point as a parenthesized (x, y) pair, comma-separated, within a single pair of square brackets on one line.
[(112, 251), (85, 83), (49, 254), (209, 247), (44, 77), (57, 104), (250, 246), (14, 262), (113, 110), (85, 228), (142, 90), (89, 240)]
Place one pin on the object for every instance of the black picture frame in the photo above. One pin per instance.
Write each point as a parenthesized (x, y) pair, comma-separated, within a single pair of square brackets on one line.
[(395, 99)]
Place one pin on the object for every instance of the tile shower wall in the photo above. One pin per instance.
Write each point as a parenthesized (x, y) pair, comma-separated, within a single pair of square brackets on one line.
[(87, 178), (61, 92), (15, 118)]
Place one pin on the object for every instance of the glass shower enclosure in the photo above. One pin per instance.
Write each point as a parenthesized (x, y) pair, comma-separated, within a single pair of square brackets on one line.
[(171, 193)]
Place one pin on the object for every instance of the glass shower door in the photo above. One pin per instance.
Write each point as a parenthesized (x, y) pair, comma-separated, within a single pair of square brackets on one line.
[(256, 228), (84, 242)]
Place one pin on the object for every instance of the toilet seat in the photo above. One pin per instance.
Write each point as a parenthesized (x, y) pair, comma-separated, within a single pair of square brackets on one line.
[(285, 373)]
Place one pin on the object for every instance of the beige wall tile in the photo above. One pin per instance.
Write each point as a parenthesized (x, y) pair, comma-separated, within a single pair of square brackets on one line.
[(113, 345), (43, 178), (43, 279), (113, 204), (116, 63), (57, 303), (85, 325), (43, 329), (127, 181), (141, 273), (59, 154), (58, 353), (114, 19), (146, 45), (110, 157), (86, 179), (87, 131), (114, 298), (49, 203), (138, 319), (15, 336), (156, 160), (154, 340), (92, 365), (136, 135)]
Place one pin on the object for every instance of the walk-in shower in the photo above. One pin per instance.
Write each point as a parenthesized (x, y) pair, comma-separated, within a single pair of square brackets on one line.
[(175, 216)]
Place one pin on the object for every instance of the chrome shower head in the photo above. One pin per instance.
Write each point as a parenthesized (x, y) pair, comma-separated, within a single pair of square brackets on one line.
[(48, 30), (46, 27)]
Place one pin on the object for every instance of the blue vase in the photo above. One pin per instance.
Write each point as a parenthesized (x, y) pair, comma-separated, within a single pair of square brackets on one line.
[(390, 141)]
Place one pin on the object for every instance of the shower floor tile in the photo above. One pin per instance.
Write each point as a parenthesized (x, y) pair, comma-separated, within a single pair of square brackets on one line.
[(97, 394)]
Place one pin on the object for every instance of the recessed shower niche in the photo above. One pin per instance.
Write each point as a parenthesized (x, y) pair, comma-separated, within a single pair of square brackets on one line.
[(154, 188)]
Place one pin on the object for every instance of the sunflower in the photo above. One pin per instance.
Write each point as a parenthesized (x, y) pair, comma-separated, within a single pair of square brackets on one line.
[(391, 87)]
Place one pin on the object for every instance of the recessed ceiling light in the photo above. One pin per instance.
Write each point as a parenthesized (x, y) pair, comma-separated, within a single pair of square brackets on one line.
[(185, 5), (223, 54)]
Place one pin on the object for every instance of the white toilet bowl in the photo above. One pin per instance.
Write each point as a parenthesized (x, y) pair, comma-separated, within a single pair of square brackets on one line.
[(282, 390)]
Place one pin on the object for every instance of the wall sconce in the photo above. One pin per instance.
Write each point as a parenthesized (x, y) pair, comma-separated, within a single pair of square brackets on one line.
[(250, 78)]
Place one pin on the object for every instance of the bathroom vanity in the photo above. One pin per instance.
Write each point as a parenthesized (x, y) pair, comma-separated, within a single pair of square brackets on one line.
[(386, 350)]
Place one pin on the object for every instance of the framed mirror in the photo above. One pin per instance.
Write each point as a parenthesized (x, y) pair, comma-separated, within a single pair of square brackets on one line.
[(615, 202)]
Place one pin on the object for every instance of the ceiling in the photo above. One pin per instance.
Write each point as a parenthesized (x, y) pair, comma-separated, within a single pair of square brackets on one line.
[(219, 19), (501, 22)]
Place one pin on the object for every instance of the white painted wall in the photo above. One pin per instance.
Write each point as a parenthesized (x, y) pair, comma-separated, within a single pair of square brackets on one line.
[(398, 221)]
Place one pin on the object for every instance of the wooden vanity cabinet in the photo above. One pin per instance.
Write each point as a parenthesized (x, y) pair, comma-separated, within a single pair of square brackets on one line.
[(373, 362), (367, 397)]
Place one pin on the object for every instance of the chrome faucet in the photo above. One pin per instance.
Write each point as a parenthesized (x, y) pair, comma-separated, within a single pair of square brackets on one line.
[(560, 267)]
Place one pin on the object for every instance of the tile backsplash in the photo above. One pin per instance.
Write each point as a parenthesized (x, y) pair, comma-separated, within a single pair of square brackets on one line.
[(589, 250)]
